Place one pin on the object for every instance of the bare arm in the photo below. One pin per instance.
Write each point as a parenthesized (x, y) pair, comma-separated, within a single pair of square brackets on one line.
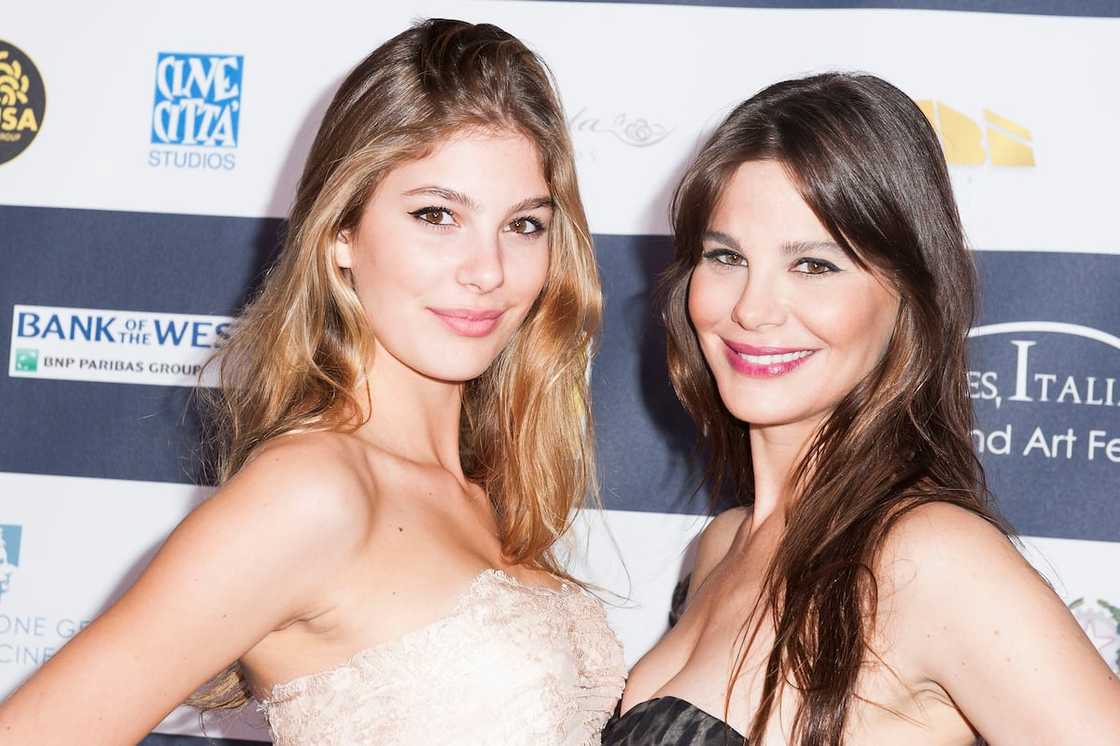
[(245, 562), (984, 626)]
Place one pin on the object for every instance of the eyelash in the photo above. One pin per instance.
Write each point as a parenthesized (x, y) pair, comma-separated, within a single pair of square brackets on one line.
[(829, 267), (538, 225), (720, 255)]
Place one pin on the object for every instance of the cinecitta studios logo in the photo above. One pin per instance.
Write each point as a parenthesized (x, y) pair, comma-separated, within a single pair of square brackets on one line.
[(23, 101), (9, 555), (197, 110), (85, 344)]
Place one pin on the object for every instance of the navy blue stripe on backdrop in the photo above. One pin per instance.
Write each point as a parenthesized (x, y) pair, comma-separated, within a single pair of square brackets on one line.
[(1092, 8), (117, 261), (1046, 401)]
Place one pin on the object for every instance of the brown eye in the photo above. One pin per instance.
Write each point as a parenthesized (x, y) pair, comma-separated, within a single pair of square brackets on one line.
[(526, 226), (434, 215), (815, 267), (726, 257)]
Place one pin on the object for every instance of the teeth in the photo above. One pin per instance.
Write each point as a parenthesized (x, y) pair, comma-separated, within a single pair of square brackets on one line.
[(775, 359)]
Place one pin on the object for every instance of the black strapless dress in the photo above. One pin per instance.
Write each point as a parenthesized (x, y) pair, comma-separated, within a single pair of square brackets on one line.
[(668, 721)]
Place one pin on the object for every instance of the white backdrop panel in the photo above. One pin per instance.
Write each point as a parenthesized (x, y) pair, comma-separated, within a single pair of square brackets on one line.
[(641, 85)]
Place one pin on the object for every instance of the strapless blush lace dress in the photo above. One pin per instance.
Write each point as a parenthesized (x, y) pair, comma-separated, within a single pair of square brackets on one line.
[(511, 664)]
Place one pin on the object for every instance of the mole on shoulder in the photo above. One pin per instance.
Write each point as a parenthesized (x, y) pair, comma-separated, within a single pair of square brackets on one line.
[(400, 528)]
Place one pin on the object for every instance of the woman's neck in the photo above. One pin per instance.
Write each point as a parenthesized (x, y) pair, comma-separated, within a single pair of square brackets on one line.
[(776, 451), (411, 415)]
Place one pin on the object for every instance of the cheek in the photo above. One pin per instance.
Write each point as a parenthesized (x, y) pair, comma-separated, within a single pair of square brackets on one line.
[(526, 269), (858, 321), (394, 266), (709, 301)]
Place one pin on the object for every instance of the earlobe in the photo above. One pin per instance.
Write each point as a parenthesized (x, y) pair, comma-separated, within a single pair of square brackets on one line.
[(342, 255)]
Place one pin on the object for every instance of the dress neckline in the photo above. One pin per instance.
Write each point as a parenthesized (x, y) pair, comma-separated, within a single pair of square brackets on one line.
[(689, 705), (293, 686)]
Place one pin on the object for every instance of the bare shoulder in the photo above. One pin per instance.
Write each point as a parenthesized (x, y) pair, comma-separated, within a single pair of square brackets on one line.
[(310, 484), (947, 577), (939, 544), (718, 535), (962, 608), (715, 541)]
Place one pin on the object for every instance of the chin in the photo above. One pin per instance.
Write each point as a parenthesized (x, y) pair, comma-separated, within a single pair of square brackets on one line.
[(764, 409), (460, 372), (766, 417)]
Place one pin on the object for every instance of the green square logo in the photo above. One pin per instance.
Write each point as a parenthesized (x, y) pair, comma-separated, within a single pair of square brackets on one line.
[(27, 361)]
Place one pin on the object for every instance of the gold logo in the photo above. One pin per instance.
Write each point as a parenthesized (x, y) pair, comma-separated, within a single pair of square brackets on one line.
[(23, 101), (1001, 142)]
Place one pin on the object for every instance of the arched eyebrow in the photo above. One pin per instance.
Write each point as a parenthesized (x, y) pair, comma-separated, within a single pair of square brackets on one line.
[(533, 203), (448, 194), (451, 195), (789, 248), (722, 238)]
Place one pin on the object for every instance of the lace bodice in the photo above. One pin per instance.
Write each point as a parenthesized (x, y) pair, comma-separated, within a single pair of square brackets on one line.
[(511, 664)]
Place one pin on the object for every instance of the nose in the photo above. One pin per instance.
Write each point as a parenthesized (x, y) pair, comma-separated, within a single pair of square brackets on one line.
[(481, 269), (761, 303)]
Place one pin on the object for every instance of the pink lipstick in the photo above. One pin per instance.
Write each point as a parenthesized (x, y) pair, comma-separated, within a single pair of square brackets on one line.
[(765, 362), (468, 322)]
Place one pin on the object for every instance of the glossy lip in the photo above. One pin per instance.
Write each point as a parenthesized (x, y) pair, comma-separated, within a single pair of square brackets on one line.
[(468, 322), (733, 349)]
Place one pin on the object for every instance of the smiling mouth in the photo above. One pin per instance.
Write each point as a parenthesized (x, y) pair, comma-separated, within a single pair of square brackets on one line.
[(764, 362), (468, 322)]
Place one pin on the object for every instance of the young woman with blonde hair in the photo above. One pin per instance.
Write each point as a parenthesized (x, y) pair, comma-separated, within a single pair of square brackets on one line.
[(403, 429)]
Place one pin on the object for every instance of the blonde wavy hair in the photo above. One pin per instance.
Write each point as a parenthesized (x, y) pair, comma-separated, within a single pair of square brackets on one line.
[(295, 362)]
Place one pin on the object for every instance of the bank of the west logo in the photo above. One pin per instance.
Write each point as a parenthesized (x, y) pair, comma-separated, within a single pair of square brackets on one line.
[(85, 344), (197, 105), (9, 555), (1000, 142), (23, 101)]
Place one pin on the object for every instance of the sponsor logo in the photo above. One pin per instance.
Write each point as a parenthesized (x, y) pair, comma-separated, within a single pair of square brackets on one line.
[(197, 109), (23, 101), (596, 133), (82, 344), (27, 361), (635, 131), (1025, 381), (1101, 622), (999, 142), (9, 555)]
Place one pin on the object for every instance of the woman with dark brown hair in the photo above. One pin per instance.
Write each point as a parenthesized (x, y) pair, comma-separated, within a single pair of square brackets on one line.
[(817, 312), (403, 430)]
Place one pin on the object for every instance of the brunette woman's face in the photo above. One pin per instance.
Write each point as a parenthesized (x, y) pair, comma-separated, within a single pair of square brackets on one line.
[(788, 323), (451, 252)]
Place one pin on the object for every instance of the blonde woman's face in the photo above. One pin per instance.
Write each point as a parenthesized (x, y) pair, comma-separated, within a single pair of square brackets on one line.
[(451, 252), (787, 321)]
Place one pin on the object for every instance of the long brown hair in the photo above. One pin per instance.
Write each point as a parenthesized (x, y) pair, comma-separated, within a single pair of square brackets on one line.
[(869, 165), (296, 360)]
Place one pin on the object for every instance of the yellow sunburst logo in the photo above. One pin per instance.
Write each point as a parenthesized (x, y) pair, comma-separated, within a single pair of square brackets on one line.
[(998, 142)]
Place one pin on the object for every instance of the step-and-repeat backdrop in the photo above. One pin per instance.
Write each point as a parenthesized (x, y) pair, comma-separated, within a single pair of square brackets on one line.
[(148, 154)]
